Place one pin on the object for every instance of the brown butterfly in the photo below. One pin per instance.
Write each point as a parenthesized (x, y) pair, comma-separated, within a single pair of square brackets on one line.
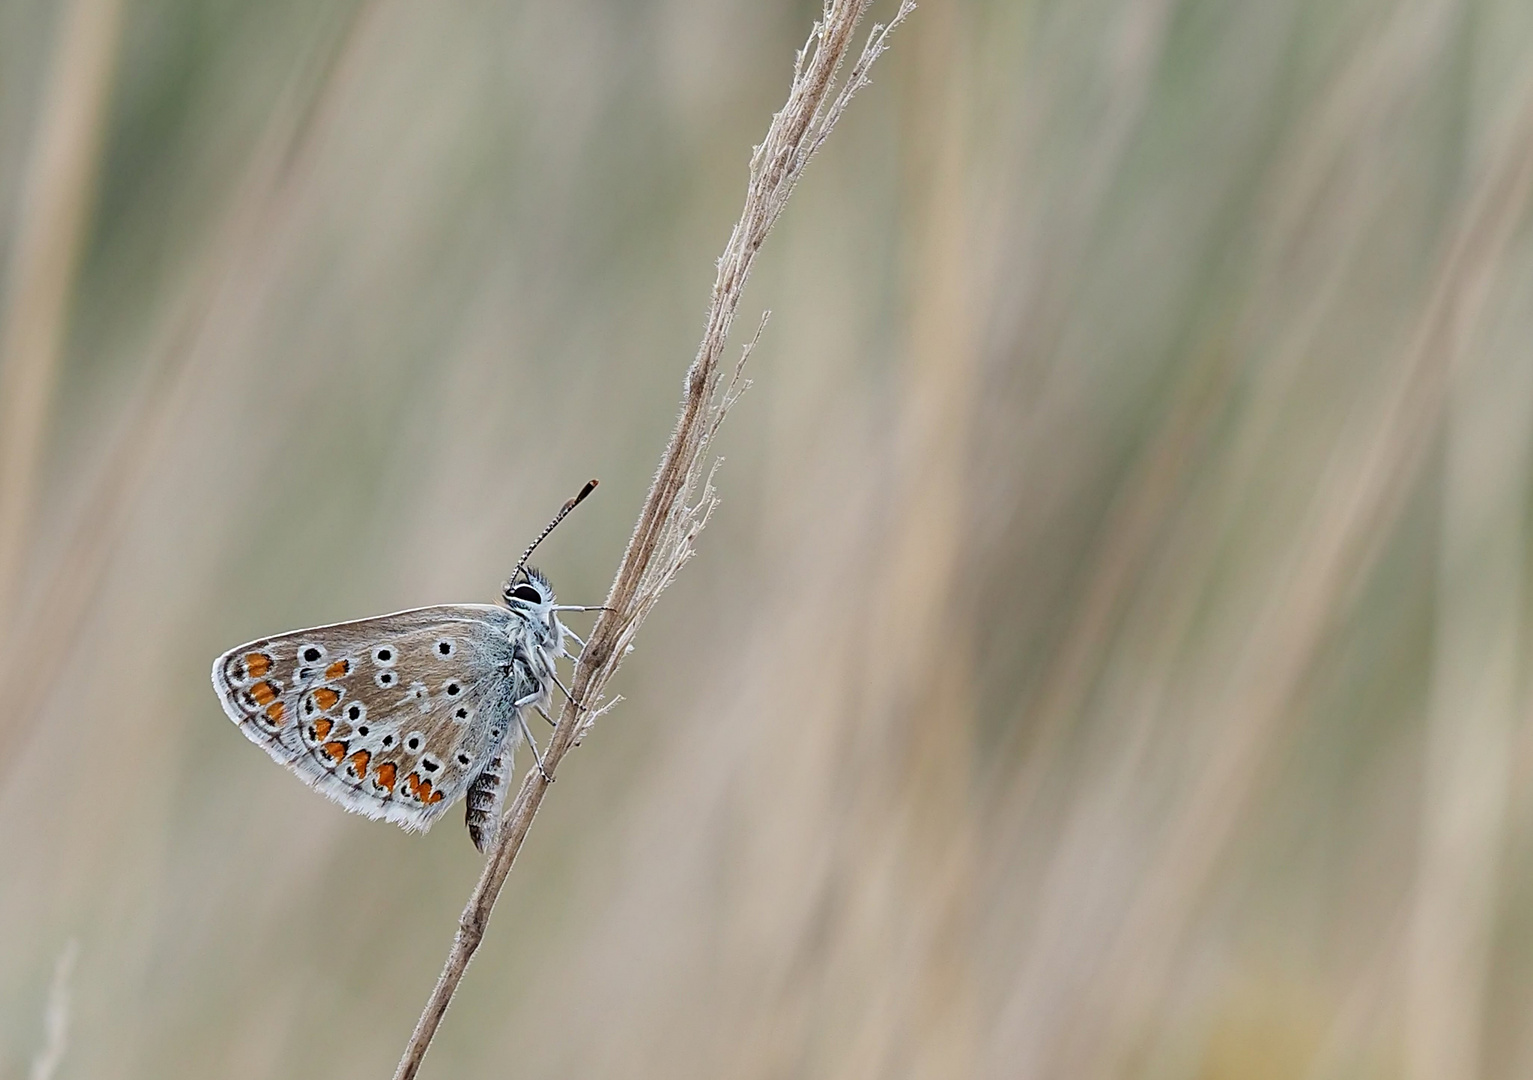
[(398, 716)]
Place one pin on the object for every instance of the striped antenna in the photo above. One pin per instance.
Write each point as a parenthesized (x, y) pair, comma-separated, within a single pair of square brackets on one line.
[(560, 516)]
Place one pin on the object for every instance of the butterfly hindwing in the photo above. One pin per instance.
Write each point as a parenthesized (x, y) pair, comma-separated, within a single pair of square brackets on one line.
[(391, 717)]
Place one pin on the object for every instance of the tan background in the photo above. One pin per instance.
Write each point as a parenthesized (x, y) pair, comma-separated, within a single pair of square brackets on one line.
[(1110, 658)]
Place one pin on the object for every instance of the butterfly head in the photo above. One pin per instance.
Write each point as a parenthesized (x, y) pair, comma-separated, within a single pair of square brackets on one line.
[(529, 595)]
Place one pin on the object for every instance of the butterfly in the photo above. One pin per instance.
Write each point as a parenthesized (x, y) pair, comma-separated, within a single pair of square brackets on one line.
[(399, 716)]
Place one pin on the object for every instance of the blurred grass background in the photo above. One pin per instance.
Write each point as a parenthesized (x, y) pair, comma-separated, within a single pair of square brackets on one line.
[(1108, 661)]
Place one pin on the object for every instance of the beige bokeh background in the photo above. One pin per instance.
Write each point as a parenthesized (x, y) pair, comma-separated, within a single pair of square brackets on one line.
[(1110, 658)]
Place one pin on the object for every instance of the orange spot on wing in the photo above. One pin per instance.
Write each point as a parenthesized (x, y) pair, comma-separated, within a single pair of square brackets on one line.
[(274, 712), (338, 669), (325, 698), (413, 784), (334, 750), (264, 693), (321, 727), (384, 777), (257, 664), (359, 762), (429, 796)]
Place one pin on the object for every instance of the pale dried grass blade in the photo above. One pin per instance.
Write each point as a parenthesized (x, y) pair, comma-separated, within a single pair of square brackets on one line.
[(58, 194), (56, 1019)]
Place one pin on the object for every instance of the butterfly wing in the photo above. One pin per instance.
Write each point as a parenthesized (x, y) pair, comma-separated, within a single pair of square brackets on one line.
[(391, 717)]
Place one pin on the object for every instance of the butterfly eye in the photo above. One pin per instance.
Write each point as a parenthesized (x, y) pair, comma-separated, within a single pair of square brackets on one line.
[(527, 593)]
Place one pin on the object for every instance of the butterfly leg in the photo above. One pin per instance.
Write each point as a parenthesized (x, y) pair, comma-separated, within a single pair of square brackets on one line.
[(567, 694), (521, 718), (544, 714), (565, 652)]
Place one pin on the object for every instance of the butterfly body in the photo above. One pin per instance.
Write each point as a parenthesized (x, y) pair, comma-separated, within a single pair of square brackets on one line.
[(398, 716)]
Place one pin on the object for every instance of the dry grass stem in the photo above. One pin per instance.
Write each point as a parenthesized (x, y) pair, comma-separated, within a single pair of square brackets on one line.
[(682, 496)]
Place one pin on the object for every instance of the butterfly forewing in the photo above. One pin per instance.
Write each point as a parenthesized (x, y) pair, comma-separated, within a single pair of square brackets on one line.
[(391, 717)]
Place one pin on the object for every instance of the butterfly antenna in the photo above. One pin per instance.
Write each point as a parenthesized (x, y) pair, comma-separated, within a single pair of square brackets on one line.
[(560, 516)]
